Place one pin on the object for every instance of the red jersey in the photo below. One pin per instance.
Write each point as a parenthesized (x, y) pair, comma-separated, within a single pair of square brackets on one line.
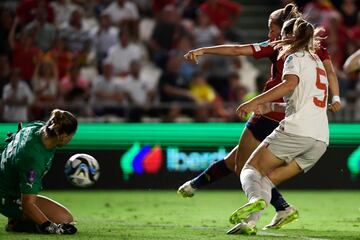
[(265, 50)]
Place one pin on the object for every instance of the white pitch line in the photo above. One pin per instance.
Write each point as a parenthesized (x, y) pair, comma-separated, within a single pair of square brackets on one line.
[(271, 234), (312, 238), (260, 233)]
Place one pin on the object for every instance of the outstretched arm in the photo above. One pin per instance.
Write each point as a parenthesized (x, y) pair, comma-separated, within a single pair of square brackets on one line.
[(227, 50)]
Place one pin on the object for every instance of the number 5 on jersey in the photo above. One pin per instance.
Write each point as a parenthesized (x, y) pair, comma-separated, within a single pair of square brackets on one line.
[(321, 84)]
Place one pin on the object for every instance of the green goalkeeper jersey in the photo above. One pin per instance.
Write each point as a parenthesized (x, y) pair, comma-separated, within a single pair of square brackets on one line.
[(24, 162)]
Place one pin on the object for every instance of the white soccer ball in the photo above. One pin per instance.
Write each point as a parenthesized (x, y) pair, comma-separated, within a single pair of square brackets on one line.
[(82, 170)]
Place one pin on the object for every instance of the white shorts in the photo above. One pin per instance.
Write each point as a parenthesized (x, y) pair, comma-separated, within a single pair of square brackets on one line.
[(306, 151)]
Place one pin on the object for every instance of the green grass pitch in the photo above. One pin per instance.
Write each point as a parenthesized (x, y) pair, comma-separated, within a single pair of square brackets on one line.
[(166, 215)]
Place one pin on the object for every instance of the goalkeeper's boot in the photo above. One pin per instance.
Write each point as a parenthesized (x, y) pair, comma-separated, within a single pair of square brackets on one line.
[(282, 218), (244, 212), (186, 190), (244, 228)]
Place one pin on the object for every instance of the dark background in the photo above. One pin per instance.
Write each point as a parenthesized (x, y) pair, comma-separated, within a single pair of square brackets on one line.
[(330, 172)]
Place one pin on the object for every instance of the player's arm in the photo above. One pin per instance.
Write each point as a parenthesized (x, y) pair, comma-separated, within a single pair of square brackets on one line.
[(34, 213), (30, 185), (270, 107), (227, 50), (335, 105), (290, 82)]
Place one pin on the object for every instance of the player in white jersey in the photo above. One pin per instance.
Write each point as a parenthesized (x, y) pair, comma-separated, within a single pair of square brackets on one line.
[(301, 138), (305, 113)]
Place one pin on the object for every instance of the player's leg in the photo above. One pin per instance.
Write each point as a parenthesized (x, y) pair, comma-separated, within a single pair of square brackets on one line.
[(256, 185), (302, 163), (285, 172), (247, 144), (289, 213), (261, 128), (222, 168), (56, 212), (214, 172), (257, 130), (17, 222)]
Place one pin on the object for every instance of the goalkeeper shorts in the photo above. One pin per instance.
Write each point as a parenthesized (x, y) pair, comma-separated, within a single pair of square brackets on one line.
[(11, 208)]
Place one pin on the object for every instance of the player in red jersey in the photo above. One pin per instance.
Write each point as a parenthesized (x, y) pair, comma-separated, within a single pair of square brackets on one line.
[(259, 126)]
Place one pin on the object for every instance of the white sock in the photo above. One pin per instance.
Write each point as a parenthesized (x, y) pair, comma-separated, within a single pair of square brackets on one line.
[(251, 182), (267, 185), (255, 185), (255, 216)]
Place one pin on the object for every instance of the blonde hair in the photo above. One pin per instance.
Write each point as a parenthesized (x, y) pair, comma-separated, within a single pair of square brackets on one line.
[(281, 15), (61, 122), (304, 37)]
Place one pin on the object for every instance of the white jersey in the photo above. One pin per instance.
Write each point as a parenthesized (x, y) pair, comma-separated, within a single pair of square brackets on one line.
[(306, 106)]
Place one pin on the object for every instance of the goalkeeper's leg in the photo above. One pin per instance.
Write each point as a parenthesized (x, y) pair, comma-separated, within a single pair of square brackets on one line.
[(54, 211), (18, 222)]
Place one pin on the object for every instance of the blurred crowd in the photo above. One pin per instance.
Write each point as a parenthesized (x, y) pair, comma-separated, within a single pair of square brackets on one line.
[(123, 59)]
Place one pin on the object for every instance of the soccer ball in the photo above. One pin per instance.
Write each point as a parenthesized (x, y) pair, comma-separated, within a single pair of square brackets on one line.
[(82, 170)]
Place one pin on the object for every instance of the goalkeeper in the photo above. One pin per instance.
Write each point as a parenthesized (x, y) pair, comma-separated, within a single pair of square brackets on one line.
[(25, 160)]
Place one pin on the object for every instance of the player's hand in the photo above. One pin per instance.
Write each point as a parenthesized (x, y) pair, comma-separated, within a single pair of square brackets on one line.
[(50, 228), (263, 108), (194, 55), (53, 228), (10, 135), (334, 107), (68, 228), (244, 109)]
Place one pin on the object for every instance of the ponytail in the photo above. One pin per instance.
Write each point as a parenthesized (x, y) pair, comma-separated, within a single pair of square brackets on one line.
[(281, 15), (61, 122), (303, 37)]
